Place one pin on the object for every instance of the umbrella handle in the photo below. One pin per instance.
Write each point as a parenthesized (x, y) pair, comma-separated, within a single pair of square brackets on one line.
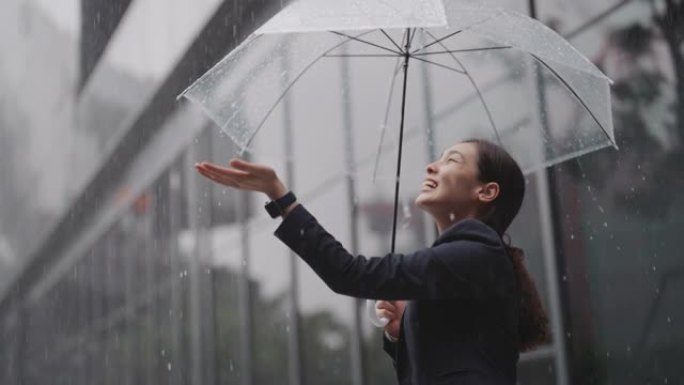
[(370, 311)]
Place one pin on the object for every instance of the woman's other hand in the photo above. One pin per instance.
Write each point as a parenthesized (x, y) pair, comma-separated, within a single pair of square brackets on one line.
[(392, 310), (245, 176)]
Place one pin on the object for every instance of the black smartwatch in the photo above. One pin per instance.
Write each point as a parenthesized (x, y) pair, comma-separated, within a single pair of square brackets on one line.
[(276, 208)]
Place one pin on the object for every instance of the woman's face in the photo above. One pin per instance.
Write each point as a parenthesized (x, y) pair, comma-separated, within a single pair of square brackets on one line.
[(451, 185)]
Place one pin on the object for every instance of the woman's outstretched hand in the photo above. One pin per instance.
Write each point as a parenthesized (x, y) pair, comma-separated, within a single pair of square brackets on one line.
[(245, 176), (392, 310)]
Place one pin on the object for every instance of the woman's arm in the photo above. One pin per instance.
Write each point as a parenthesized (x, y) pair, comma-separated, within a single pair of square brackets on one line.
[(469, 266), (473, 264)]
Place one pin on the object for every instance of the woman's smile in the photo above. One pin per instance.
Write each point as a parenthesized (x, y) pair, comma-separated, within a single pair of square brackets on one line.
[(429, 185)]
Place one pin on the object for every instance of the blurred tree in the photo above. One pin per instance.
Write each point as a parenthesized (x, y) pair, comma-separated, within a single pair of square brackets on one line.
[(648, 112)]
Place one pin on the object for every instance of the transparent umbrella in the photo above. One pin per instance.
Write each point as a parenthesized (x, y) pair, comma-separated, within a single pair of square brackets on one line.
[(365, 81)]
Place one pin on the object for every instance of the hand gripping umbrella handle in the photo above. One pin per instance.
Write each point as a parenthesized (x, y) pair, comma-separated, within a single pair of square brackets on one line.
[(374, 319)]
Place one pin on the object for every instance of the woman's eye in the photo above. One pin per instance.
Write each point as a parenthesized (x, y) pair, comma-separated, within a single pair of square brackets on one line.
[(452, 160)]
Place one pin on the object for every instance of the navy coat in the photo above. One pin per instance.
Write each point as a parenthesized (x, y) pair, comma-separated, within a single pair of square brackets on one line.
[(460, 324)]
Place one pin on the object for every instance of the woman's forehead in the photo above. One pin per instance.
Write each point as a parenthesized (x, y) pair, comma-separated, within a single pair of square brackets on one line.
[(465, 149)]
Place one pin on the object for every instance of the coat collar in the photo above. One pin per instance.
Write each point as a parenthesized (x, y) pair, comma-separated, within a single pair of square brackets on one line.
[(469, 229)]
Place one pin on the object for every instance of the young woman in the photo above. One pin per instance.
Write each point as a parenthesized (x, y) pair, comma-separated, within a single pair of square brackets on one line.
[(461, 310)]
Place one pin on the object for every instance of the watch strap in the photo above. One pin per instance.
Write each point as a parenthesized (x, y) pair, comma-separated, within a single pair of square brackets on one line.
[(276, 207)]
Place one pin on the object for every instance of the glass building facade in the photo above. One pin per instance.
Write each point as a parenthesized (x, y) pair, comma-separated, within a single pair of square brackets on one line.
[(120, 265)]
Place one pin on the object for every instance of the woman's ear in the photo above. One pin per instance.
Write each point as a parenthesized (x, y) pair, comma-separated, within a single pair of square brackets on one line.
[(488, 192)]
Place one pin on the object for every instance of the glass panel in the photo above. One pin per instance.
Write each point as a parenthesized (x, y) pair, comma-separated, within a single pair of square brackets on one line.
[(621, 215)]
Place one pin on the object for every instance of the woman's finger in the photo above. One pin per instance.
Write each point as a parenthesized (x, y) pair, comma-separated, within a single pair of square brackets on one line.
[(219, 178), (385, 305), (223, 170), (241, 164), (234, 176), (386, 314)]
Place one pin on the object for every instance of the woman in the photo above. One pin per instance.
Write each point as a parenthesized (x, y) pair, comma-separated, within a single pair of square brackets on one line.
[(470, 305)]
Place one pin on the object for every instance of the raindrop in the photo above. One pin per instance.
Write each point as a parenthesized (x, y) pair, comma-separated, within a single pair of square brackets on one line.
[(301, 232), (605, 224), (669, 320), (572, 236), (591, 237), (168, 366), (452, 217), (565, 278), (607, 354), (654, 268), (232, 368), (163, 352)]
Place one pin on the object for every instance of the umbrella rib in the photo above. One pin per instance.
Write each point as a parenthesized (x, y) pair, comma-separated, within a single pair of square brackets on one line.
[(361, 55), (440, 65), (388, 105), (282, 95), (367, 42), (390, 39), (477, 90), (574, 93), (415, 31), (436, 41), (462, 50)]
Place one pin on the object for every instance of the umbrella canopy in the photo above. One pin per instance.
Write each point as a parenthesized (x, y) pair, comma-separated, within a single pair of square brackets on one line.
[(477, 44), (347, 85)]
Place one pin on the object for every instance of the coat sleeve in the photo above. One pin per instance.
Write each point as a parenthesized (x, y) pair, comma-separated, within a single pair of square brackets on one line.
[(470, 266), (390, 348)]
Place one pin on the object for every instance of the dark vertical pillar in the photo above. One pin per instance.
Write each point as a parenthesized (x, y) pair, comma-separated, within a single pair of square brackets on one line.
[(99, 20)]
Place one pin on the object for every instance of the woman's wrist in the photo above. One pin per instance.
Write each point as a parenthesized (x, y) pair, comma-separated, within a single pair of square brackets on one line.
[(390, 337), (277, 191)]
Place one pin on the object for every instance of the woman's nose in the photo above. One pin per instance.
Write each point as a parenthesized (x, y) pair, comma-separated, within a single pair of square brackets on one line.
[(431, 168)]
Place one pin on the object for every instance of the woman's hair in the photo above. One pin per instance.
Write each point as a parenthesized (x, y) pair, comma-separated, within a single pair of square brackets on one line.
[(496, 165)]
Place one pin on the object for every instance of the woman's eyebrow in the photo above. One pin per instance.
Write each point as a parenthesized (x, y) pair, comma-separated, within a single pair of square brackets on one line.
[(449, 152)]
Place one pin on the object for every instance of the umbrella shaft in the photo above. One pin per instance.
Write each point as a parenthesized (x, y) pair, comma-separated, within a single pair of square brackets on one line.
[(401, 141)]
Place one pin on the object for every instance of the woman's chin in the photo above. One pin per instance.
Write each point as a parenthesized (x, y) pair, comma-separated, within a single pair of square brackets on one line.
[(423, 201)]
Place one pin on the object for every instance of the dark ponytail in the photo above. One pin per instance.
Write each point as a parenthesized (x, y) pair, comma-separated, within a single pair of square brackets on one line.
[(533, 324), (496, 165)]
